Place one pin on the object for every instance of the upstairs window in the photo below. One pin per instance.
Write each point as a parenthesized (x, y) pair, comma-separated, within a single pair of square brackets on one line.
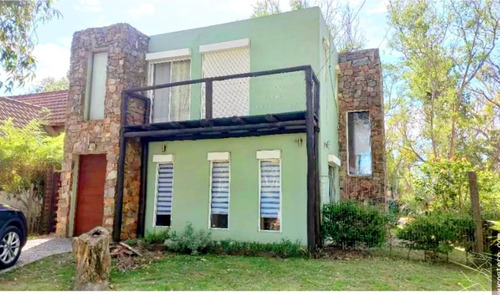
[(96, 86), (171, 103), (359, 143), (230, 97)]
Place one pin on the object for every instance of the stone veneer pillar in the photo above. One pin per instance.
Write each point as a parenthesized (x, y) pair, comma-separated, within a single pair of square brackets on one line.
[(360, 88), (126, 68)]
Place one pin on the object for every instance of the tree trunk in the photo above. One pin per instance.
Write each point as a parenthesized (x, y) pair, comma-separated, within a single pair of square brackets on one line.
[(93, 260)]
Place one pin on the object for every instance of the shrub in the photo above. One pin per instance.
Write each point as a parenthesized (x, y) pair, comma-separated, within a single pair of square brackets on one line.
[(189, 241), (156, 237), (132, 242), (349, 224), (438, 232), (283, 249)]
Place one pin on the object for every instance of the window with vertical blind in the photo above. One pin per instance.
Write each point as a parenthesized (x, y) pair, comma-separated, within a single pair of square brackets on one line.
[(219, 194), (270, 193), (164, 193), (172, 103)]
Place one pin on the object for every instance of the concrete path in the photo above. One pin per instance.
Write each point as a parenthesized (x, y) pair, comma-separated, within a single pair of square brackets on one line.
[(37, 249)]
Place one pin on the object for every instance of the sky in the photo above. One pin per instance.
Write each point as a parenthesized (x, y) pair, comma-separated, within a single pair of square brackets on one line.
[(152, 17)]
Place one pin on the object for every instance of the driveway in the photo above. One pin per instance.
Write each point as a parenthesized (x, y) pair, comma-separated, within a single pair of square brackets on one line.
[(37, 249)]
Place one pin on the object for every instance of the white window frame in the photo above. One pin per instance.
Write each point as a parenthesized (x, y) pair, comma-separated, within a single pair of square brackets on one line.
[(163, 159), (232, 44), (335, 168), (89, 85), (270, 155), (219, 157), (333, 160), (347, 141), (164, 57)]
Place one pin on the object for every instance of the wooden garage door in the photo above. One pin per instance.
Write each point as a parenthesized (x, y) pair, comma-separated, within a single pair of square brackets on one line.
[(90, 194)]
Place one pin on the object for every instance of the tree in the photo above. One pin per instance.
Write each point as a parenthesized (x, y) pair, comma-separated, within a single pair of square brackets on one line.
[(447, 81), (18, 23), (266, 7), (341, 19), (51, 84), (25, 154)]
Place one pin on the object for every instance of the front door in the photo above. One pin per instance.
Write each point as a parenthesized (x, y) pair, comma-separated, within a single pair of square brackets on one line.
[(90, 193)]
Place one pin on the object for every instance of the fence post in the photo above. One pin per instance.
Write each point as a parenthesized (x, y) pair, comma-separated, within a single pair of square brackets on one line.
[(476, 213), (495, 262)]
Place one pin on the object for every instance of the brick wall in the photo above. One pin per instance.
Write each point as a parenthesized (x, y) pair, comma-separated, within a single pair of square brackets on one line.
[(126, 68), (360, 89)]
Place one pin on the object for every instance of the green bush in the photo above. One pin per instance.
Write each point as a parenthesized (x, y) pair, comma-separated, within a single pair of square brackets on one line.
[(189, 241), (438, 232), (156, 237), (132, 242), (283, 249), (349, 225)]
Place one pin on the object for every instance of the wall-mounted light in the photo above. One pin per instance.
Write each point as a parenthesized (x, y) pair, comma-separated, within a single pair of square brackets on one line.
[(299, 141), (164, 148)]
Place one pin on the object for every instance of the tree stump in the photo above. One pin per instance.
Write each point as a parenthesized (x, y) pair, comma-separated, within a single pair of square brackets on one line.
[(93, 260)]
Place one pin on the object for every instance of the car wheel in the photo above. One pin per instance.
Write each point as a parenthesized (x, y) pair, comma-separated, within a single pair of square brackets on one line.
[(10, 246)]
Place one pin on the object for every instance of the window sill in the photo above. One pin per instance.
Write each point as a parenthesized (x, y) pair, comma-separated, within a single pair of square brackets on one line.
[(360, 175), (270, 231), (162, 226), (218, 229)]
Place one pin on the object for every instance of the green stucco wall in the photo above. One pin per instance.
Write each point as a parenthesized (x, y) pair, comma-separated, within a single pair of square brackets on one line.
[(328, 136), (192, 181), (285, 40), (278, 41)]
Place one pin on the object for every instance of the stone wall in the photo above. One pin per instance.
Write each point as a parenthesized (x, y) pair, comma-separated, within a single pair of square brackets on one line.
[(126, 49), (360, 88)]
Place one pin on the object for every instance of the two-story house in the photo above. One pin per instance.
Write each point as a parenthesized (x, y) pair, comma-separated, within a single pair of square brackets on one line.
[(243, 129)]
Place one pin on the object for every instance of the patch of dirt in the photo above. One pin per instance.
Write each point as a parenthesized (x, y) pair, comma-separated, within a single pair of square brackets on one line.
[(335, 253), (126, 263)]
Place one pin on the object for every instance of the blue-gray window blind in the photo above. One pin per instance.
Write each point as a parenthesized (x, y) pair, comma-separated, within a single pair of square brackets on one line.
[(220, 188), (165, 188), (270, 189)]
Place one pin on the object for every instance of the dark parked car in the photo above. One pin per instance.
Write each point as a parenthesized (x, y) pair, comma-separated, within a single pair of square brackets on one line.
[(13, 235)]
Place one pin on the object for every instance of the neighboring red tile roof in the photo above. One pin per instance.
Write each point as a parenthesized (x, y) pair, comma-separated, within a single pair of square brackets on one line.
[(55, 101), (19, 111)]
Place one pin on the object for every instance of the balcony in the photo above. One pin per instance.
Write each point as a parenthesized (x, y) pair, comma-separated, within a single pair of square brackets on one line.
[(276, 101)]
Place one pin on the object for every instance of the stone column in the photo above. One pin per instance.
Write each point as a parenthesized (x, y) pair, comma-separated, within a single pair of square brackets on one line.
[(127, 68), (360, 89)]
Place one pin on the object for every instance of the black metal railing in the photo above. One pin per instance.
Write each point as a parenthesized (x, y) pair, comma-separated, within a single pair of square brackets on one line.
[(311, 122), (311, 92)]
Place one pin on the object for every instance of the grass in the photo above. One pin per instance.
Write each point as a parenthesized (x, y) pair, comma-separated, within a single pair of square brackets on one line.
[(213, 272)]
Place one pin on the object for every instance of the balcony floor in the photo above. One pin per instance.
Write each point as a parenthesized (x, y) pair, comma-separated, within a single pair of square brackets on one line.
[(281, 123)]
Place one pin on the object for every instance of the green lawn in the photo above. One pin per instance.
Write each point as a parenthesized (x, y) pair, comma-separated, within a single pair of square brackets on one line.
[(212, 272)]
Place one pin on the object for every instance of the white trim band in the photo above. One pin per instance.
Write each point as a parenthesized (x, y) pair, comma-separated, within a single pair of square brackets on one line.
[(332, 159), (225, 45), (170, 54), (163, 158), (272, 154), (218, 156)]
